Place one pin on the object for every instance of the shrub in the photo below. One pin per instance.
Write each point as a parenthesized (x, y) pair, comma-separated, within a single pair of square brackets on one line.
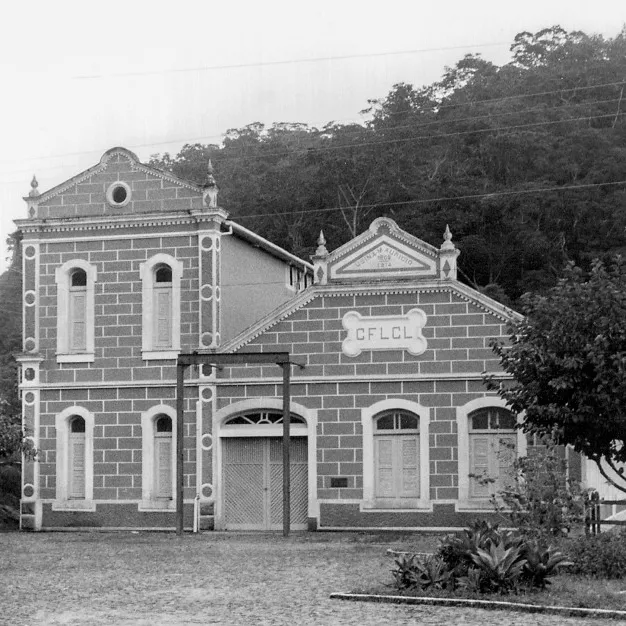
[(482, 559), (600, 556), (542, 503)]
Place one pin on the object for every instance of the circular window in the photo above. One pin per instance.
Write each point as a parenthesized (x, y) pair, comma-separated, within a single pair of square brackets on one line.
[(118, 194)]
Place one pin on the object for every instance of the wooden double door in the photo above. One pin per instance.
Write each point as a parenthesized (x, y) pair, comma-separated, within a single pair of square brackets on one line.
[(252, 473)]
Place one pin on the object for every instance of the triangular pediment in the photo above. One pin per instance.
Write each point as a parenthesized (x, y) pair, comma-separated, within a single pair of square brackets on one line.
[(383, 252)]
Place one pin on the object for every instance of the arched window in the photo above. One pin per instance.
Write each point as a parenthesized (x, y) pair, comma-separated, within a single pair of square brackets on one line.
[(158, 426), (492, 450), (162, 303), (396, 457), (75, 282), (74, 460), (161, 277), (77, 458), (78, 310), (163, 457)]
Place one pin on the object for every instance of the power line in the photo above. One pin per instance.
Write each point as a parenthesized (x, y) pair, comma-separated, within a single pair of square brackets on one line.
[(219, 137), (313, 149), (233, 66), (474, 196), (498, 129)]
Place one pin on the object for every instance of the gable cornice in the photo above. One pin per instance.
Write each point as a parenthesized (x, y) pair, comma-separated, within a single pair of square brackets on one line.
[(464, 292), (135, 164)]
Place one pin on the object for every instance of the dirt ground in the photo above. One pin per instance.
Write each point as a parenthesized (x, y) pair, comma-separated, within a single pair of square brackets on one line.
[(152, 579)]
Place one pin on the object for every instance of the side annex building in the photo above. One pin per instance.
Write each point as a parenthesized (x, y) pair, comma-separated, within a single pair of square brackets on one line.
[(126, 266)]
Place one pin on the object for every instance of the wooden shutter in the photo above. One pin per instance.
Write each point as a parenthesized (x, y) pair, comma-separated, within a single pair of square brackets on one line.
[(163, 465), (479, 465), (409, 470), (384, 467), (78, 321), (163, 317), (77, 466)]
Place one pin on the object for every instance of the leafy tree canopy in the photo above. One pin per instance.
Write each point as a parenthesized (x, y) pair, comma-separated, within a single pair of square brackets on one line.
[(568, 360), (519, 159)]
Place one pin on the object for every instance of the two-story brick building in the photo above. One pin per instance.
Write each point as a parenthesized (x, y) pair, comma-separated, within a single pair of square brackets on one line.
[(126, 266)]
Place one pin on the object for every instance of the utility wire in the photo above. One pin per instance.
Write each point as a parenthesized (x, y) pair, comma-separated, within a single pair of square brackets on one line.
[(472, 196), (220, 137), (233, 66)]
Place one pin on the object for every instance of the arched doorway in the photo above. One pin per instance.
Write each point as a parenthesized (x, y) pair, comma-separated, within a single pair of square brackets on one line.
[(252, 471)]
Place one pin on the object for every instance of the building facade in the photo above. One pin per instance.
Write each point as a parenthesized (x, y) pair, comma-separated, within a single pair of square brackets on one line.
[(125, 267)]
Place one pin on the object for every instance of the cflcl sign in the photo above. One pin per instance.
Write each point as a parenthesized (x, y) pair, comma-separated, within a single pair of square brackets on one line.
[(384, 332)]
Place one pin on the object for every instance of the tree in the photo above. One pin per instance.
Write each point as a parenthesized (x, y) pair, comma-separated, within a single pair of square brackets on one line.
[(11, 435), (567, 356)]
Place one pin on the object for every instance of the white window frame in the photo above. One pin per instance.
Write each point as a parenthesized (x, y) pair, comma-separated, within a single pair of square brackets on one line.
[(147, 272), (63, 279), (369, 502), (63, 471), (149, 499), (465, 501)]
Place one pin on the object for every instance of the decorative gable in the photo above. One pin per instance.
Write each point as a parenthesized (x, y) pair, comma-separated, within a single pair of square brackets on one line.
[(385, 252), (119, 185)]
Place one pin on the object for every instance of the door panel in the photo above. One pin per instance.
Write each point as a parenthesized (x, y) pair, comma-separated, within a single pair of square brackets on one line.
[(253, 483)]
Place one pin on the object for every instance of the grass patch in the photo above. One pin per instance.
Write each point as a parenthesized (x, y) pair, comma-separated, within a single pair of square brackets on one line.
[(566, 590)]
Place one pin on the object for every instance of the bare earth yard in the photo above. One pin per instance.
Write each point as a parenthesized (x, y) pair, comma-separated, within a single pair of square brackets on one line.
[(214, 578)]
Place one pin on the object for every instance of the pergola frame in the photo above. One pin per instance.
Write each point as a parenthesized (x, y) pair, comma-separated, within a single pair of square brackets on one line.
[(218, 360)]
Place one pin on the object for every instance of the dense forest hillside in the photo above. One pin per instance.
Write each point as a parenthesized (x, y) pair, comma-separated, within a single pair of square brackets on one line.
[(526, 162)]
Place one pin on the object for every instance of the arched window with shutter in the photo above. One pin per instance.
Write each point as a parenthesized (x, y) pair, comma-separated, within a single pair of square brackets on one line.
[(74, 460), (396, 457), (489, 445), (162, 303), (163, 457), (161, 293), (75, 283), (492, 450), (158, 456)]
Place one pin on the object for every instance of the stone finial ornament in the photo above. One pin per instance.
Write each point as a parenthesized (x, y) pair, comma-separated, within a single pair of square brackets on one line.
[(209, 196), (34, 192), (321, 245), (447, 236)]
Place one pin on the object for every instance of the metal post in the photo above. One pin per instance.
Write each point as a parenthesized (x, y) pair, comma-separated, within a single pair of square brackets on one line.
[(180, 403), (286, 441)]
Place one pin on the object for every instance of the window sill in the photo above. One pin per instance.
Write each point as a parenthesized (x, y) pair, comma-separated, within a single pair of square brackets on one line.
[(82, 357), (482, 504), (159, 355), (150, 506), (73, 505), (400, 507)]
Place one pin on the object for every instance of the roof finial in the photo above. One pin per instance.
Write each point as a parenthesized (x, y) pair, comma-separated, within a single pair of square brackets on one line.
[(34, 192), (447, 236), (210, 188), (321, 245)]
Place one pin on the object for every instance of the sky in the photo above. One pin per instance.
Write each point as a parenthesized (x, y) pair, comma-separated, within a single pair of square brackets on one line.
[(82, 77)]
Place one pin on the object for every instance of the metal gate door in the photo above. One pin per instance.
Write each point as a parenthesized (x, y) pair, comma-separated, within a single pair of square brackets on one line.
[(253, 483)]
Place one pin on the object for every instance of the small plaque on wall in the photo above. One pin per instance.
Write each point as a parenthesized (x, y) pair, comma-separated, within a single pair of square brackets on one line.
[(338, 482)]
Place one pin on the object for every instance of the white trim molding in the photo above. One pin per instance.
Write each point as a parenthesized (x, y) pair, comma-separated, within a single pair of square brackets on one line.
[(149, 351), (221, 431), (62, 278), (149, 501), (462, 422), (62, 422), (367, 422)]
